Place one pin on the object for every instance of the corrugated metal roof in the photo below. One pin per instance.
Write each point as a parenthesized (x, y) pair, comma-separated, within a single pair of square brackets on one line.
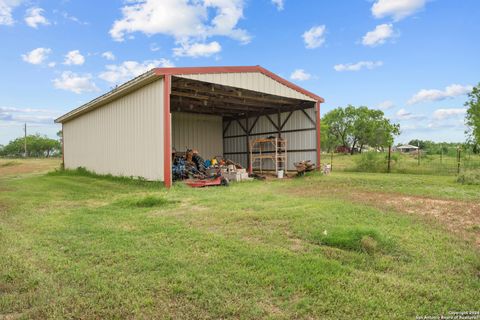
[(157, 73)]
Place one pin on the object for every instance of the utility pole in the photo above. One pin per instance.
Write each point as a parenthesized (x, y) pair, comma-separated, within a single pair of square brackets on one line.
[(25, 139)]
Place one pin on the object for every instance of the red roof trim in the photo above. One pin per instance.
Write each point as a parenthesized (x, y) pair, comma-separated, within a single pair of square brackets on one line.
[(198, 70)]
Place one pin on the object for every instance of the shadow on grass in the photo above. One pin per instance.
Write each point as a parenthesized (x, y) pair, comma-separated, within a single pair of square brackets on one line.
[(356, 239), (150, 201), (82, 172)]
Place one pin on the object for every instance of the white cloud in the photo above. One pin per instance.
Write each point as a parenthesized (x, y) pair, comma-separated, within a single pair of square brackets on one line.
[(358, 66), (29, 115), (436, 124), (52, 64), (315, 37), (398, 9), (76, 83), (197, 49), (378, 36), (154, 47), (182, 19), (453, 90), (74, 57), (403, 114), (385, 105), (36, 56), (6, 9), (108, 55), (34, 17), (441, 114), (68, 16), (280, 4), (300, 75), (130, 69), (22, 110)]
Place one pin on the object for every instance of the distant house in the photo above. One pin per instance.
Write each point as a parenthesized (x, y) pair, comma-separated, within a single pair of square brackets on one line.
[(408, 148), (342, 149)]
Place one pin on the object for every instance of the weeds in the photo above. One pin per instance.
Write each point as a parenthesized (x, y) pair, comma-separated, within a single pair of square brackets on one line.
[(9, 164), (149, 201), (471, 177), (356, 239)]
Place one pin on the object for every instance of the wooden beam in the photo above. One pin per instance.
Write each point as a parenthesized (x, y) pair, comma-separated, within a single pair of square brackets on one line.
[(309, 118), (213, 104), (220, 97), (202, 87), (269, 133), (190, 95), (271, 121), (279, 124), (286, 119), (226, 127), (253, 125), (201, 110), (241, 125), (247, 141)]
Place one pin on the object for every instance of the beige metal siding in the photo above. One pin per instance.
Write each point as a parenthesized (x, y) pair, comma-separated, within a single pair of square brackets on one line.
[(255, 81), (197, 131), (302, 141), (123, 138)]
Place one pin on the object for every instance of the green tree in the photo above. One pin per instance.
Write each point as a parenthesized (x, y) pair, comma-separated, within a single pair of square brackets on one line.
[(472, 119), (328, 141), (358, 127), (37, 146)]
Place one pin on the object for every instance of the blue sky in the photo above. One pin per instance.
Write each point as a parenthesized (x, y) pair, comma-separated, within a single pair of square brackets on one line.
[(414, 59)]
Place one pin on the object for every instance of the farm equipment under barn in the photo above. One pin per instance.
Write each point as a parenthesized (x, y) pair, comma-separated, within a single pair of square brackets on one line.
[(190, 167)]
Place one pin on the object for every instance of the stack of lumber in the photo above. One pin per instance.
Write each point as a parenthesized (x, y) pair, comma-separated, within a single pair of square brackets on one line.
[(304, 166)]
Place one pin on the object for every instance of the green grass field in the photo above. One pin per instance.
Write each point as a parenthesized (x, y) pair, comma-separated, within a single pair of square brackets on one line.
[(433, 164), (320, 247)]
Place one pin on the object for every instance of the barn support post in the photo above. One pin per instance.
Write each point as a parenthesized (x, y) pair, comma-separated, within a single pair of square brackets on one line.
[(279, 124), (167, 151), (247, 140), (63, 149), (317, 116)]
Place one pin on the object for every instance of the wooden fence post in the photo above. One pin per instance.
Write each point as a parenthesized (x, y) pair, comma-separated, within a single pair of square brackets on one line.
[(458, 160), (331, 161)]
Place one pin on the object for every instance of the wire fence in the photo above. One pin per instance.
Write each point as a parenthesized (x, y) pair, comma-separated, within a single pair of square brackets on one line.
[(412, 163)]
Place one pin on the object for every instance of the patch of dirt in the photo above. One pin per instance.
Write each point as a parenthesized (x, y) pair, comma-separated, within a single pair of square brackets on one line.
[(127, 227), (461, 217), (26, 166), (270, 309), (11, 316), (295, 244)]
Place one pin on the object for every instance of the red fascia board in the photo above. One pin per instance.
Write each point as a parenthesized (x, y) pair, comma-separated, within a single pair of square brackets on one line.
[(236, 69), (167, 131)]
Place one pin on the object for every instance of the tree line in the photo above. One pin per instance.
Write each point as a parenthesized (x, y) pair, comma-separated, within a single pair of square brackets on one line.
[(37, 146), (351, 129)]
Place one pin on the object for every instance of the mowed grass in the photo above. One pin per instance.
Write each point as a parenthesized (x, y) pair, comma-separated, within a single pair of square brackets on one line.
[(431, 164), (85, 247)]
